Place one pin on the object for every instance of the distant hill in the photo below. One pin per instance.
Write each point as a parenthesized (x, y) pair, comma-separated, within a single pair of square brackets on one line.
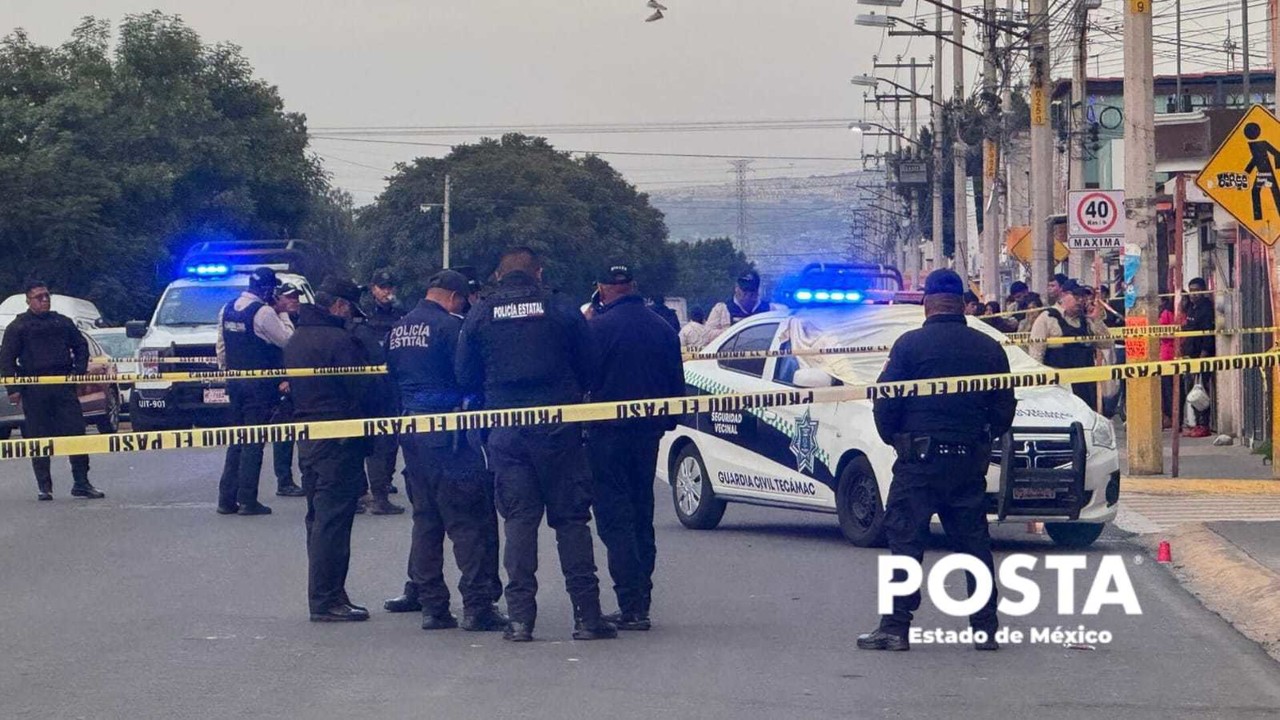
[(791, 221)]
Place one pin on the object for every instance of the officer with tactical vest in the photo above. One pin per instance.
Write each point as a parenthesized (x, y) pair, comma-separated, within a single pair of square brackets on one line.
[(372, 331), (449, 485), (526, 346), (944, 446), (251, 336), (1067, 319), (746, 301)]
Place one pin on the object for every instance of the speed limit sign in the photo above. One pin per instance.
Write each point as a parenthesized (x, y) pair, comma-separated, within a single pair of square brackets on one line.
[(1094, 219)]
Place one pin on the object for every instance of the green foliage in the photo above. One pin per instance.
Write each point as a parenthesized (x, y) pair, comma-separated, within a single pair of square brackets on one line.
[(580, 214), (113, 163), (706, 270)]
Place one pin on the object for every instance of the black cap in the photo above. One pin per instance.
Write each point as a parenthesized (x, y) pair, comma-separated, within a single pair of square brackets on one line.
[(289, 289), (615, 275), (943, 282), (749, 281), (473, 277), (1018, 287), (264, 278), (450, 280), (383, 278), (1071, 286)]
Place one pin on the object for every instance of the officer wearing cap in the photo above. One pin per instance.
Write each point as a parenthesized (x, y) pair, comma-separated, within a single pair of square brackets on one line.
[(288, 302), (639, 358), (332, 470), (448, 483), (372, 331), (746, 301), (1070, 318), (944, 446), (251, 335), (526, 346)]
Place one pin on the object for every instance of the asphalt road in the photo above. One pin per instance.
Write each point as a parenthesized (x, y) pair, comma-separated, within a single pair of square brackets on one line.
[(149, 605)]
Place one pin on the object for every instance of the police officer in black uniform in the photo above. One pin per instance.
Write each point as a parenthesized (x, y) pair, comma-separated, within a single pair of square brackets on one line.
[(332, 470), (372, 332), (43, 342), (288, 302), (251, 336), (526, 346), (944, 447), (639, 358), (449, 485)]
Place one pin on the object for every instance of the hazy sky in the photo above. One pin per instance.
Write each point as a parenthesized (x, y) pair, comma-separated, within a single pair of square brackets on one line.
[(427, 62)]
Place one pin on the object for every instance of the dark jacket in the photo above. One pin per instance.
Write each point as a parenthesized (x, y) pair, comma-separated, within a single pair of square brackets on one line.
[(420, 355), (945, 347), (321, 341), (524, 346), (48, 344), (1200, 316), (668, 315), (639, 358)]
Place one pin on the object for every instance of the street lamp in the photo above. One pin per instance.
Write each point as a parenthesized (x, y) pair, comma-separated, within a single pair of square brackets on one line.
[(864, 80), (874, 20)]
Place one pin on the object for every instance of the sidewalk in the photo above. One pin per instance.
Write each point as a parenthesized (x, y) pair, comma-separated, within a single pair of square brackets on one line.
[(1202, 467)]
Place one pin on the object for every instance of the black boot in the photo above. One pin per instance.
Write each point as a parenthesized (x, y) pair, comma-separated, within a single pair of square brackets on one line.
[(589, 625), (81, 487), (439, 621), (486, 620), (289, 489), (380, 505), (44, 487), (402, 604), (881, 640), (629, 621), (518, 632)]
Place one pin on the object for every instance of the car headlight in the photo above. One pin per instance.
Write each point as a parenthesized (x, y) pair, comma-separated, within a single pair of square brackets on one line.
[(1104, 434)]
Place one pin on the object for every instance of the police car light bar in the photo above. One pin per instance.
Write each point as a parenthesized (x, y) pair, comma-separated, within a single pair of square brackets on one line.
[(208, 270), (807, 296)]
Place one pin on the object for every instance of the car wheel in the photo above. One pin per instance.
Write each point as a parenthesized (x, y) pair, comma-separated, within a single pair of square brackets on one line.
[(1074, 535), (696, 504), (109, 423), (858, 504)]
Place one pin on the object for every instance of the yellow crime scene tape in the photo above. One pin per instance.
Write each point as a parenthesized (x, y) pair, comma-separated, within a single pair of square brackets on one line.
[(1017, 339), (625, 410)]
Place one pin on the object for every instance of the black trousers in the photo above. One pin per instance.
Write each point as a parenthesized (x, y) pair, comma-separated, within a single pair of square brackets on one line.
[(955, 489), (537, 470), (333, 479), (452, 493), (252, 403), (52, 411), (282, 462), (381, 463), (622, 464)]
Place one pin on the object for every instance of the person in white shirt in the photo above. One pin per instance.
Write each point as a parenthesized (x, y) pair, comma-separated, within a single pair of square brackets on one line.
[(746, 301), (693, 334)]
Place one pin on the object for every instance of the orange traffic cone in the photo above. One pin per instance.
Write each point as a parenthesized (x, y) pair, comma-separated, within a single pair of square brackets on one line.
[(1163, 553)]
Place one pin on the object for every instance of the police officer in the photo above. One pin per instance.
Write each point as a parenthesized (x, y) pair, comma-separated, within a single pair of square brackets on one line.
[(251, 334), (332, 470), (746, 301), (372, 332), (448, 483), (639, 358), (288, 302), (944, 447), (526, 346), (43, 342)]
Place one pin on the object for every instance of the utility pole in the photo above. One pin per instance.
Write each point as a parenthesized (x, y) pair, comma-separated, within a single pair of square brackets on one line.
[(959, 152), (990, 265), (1146, 456), (1081, 260), (445, 206), (1042, 144), (740, 171), (938, 259), (1244, 32)]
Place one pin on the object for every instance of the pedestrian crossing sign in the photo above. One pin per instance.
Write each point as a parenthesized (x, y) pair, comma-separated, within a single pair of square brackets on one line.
[(1242, 175)]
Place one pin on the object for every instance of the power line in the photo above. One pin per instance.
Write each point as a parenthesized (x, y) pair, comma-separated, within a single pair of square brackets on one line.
[(609, 152)]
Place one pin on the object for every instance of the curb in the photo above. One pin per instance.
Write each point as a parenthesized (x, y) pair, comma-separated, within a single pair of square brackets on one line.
[(1227, 581), (1200, 486)]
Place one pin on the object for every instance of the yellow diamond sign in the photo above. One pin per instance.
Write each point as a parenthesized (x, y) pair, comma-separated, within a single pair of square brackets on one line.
[(1241, 176)]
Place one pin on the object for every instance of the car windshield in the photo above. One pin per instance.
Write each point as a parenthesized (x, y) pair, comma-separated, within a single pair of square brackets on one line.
[(194, 305), (118, 345), (876, 326)]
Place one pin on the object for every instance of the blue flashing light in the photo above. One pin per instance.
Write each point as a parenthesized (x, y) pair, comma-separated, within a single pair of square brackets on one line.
[(208, 269), (822, 296), (804, 295), (853, 296), (837, 296)]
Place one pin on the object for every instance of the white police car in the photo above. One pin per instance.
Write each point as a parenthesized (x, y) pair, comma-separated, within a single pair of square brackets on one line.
[(1059, 465)]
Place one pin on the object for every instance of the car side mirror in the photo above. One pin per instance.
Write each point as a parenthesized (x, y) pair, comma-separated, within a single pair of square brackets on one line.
[(136, 329), (812, 378)]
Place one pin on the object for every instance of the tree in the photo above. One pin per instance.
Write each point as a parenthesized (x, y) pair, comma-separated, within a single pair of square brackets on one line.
[(579, 214), (113, 164), (706, 271)]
